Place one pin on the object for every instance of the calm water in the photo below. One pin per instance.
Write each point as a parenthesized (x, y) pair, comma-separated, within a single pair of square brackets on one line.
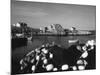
[(37, 41)]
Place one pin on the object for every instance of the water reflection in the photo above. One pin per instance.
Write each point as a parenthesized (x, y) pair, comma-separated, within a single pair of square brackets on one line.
[(62, 40)]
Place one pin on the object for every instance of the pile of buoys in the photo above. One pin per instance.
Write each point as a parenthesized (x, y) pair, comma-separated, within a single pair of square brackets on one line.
[(41, 59)]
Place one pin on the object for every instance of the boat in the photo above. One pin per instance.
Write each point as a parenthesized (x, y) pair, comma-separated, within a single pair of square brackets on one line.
[(73, 41)]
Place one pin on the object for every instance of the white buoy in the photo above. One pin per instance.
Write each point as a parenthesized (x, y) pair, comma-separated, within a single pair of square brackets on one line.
[(22, 68), (78, 48), (45, 51), (18, 25), (91, 42), (79, 62), (49, 67), (51, 56), (84, 55), (74, 68), (64, 67), (45, 61), (81, 67), (92, 47), (55, 69), (21, 61), (33, 68), (37, 57)]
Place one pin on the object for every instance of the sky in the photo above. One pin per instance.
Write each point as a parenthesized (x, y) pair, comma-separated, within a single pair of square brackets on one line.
[(39, 14)]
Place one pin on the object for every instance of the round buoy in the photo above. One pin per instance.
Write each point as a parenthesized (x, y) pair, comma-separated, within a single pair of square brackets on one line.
[(64, 67), (91, 42), (51, 55), (21, 61), (21, 68), (45, 61), (79, 62), (44, 51), (55, 69), (78, 48), (37, 57), (84, 55), (49, 67), (81, 67), (74, 68), (33, 68)]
